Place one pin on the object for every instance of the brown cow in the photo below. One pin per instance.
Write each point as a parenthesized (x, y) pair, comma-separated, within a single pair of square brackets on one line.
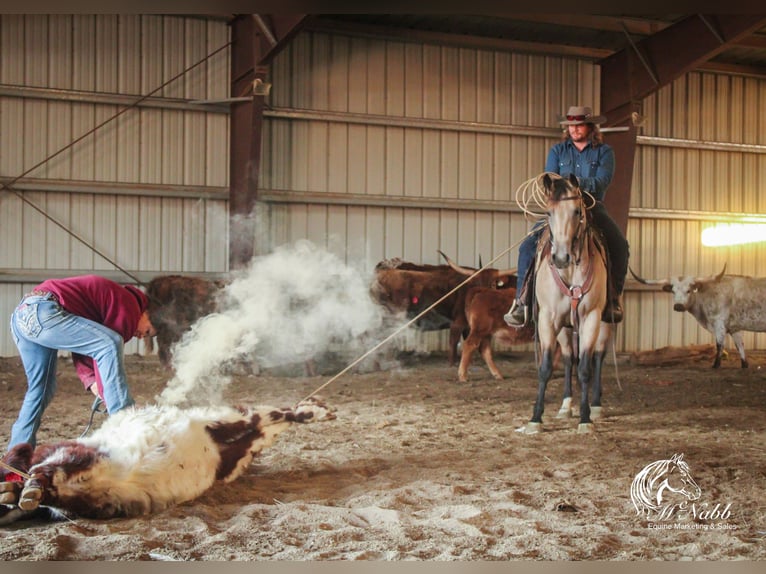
[(411, 288), (176, 302), (484, 310)]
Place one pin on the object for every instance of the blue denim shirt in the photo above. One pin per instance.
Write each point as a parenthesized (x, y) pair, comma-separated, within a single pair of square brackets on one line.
[(594, 167)]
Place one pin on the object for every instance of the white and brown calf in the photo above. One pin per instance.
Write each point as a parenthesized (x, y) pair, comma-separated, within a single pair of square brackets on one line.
[(143, 460)]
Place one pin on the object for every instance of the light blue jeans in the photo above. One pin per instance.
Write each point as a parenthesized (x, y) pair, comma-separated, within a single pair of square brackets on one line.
[(40, 328)]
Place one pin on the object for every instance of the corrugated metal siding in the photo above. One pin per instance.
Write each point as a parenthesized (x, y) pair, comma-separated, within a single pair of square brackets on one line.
[(714, 184), (407, 82), (410, 82), (159, 229)]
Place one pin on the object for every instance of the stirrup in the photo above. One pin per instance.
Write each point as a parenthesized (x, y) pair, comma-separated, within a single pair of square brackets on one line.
[(517, 315), (95, 408)]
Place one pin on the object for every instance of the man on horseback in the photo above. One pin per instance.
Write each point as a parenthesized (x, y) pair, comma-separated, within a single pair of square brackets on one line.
[(583, 153)]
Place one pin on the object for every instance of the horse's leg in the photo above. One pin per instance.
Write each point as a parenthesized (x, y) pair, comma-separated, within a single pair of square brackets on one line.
[(588, 338), (544, 373), (584, 374), (598, 362), (547, 338), (595, 403), (565, 342)]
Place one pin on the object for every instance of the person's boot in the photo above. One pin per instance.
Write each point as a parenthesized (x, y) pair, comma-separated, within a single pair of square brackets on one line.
[(613, 310), (516, 315)]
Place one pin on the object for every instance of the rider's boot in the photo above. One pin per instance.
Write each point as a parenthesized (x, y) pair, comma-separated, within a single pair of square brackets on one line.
[(516, 315)]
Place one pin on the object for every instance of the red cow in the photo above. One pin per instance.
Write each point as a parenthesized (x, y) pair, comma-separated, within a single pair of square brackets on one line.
[(484, 310)]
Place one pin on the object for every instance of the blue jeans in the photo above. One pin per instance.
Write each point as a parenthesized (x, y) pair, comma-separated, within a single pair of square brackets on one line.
[(527, 252), (40, 328)]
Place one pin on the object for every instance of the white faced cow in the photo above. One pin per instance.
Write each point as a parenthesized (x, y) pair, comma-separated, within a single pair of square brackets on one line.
[(721, 304)]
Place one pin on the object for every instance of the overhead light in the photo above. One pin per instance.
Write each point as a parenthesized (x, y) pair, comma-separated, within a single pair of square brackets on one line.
[(723, 234)]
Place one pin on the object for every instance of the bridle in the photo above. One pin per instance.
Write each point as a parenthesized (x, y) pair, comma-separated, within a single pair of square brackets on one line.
[(575, 292)]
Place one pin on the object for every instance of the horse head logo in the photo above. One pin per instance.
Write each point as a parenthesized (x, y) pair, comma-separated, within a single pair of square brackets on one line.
[(661, 478)]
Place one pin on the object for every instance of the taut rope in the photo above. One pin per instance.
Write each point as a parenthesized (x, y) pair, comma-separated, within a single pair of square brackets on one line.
[(411, 321)]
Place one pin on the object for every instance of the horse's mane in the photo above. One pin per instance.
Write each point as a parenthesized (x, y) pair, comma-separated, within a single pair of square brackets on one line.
[(643, 490)]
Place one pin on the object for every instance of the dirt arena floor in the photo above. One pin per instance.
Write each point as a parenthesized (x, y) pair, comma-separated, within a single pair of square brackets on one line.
[(419, 467)]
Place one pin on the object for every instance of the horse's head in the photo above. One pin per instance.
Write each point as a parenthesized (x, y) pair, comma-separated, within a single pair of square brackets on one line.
[(660, 478), (566, 218), (678, 479)]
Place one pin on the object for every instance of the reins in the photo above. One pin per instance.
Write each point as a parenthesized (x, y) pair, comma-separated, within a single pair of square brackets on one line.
[(585, 241)]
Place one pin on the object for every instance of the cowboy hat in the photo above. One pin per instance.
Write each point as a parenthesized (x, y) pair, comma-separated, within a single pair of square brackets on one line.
[(577, 115)]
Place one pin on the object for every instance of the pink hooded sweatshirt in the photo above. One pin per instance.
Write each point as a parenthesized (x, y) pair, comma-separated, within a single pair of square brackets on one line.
[(99, 299)]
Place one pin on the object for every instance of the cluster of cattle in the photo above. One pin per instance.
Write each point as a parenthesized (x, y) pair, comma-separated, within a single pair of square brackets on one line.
[(469, 302)]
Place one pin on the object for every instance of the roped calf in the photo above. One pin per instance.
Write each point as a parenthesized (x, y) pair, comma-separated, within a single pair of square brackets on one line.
[(721, 304), (143, 460)]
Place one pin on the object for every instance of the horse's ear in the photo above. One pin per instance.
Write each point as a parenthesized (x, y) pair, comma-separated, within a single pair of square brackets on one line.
[(677, 457), (573, 180), (547, 181)]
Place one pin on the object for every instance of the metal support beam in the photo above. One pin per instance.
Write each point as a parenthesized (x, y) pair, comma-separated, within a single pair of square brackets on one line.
[(243, 172), (256, 40), (637, 71)]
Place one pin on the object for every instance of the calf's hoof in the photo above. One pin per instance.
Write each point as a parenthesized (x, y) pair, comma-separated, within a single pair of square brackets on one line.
[(30, 497), (584, 428)]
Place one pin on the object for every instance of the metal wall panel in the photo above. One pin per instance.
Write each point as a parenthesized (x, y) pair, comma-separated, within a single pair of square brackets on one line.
[(160, 154), (716, 176), (678, 190), (365, 77), (413, 81)]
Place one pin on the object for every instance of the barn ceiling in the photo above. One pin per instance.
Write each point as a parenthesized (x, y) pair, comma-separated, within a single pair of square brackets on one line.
[(589, 36)]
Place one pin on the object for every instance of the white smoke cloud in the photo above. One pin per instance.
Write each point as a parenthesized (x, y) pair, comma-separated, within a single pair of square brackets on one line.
[(287, 307)]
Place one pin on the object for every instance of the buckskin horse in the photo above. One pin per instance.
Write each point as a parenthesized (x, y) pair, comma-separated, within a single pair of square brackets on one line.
[(570, 294)]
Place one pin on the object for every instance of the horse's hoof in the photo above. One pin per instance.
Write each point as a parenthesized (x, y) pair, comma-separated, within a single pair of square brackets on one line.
[(532, 428), (595, 412), (584, 428), (564, 414)]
